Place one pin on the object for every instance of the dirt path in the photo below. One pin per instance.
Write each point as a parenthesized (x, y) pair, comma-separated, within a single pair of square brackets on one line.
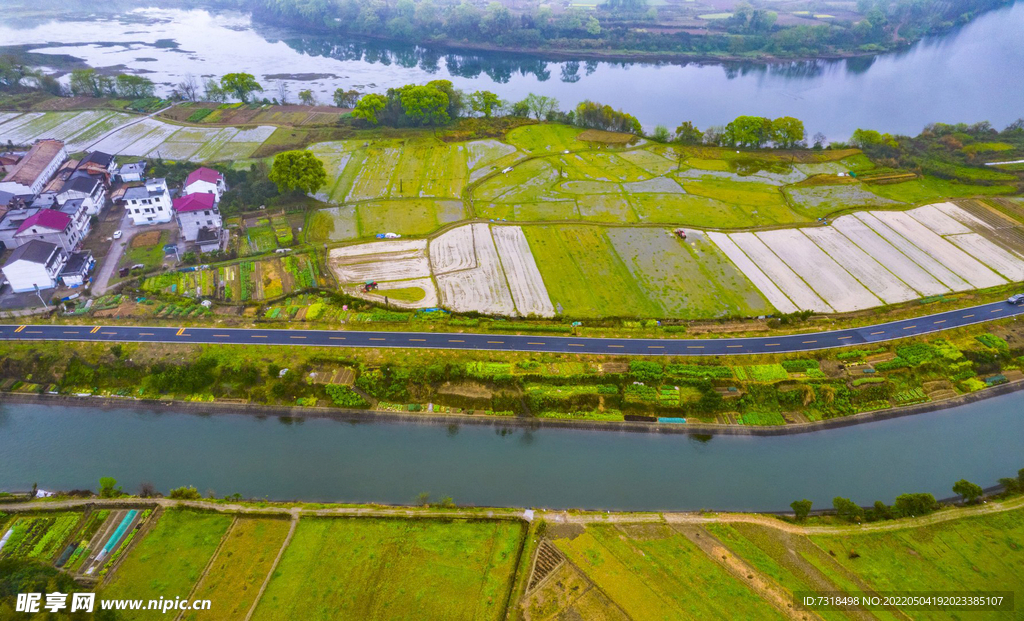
[(209, 564), (273, 567)]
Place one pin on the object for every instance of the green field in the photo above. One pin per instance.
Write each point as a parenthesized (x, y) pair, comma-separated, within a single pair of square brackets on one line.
[(241, 565), (337, 568), (169, 559)]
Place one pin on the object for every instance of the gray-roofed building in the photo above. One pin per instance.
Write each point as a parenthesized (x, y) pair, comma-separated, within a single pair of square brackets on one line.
[(135, 171), (86, 187), (11, 222), (76, 270), (149, 204), (36, 264), (30, 175)]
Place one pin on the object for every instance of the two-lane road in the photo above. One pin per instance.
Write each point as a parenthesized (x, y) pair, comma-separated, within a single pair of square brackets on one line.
[(527, 343)]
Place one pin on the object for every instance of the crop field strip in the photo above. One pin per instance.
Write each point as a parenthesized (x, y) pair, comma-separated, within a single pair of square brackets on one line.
[(132, 135)]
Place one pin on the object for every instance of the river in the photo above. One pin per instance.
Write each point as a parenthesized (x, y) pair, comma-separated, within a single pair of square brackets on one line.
[(61, 447), (975, 73)]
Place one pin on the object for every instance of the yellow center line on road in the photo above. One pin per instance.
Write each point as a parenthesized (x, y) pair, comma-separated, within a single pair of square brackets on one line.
[(145, 334), (843, 338), (302, 337), (967, 316), (575, 344), (258, 336), (71, 332), (451, 341), (336, 338), (180, 331), (805, 342), (879, 332), (910, 327), (222, 336), (97, 329), (20, 328), (619, 346), (655, 347), (694, 347), (108, 333), (376, 338), (941, 321), (997, 310), (734, 346), (529, 343), (772, 344), (420, 340)]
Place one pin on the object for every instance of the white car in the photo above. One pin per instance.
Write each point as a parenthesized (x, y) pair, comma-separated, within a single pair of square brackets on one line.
[(117, 234)]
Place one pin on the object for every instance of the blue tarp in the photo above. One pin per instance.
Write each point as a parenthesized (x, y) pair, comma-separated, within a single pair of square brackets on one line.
[(675, 421)]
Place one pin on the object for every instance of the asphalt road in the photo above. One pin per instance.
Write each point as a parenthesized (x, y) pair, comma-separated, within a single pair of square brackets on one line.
[(527, 343)]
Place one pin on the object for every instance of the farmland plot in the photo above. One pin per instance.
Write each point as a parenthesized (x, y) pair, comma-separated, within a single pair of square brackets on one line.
[(690, 278), (885, 253), (651, 162), (945, 253), (482, 288), (406, 217), (1009, 265), (765, 285), (794, 287), (861, 265), (482, 152), (453, 251), (524, 279), (425, 286), (941, 272), (830, 281), (374, 176), (216, 145), (85, 137), (20, 130), (7, 116), (605, 208), (658, 185), (529, 182), (386, 260), (825, 199), (940, 222), (117, 142), (69, 126)]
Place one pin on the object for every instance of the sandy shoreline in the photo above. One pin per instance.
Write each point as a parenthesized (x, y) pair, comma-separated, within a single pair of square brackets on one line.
[(371, 416)]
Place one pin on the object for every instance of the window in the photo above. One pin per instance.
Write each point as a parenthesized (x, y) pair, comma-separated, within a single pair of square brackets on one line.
[(209, 223), (206, 213)]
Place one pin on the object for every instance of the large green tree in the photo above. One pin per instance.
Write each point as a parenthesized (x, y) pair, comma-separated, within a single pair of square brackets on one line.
[(748, 131), (967, 490), (484, 102), (801, 508), (369, 108), (787, 132), (345, 99), (134, 86), (424, 105), (298, 171), (687, 133), (241, 85)]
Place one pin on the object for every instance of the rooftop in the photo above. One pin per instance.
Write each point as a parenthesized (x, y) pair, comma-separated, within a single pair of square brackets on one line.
[(133, 167), (99, 158), (46, 218), (207, 235), (203, 174), (35, 251), (194, 202), (78, 263), (83, 183), (35, 162)]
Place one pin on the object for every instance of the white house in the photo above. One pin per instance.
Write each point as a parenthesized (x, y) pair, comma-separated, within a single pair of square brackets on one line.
[(196, 212), (55, 226), (149, 204), (36, 264), (90, 189), (205, 181), (29, 176), (134, 171)]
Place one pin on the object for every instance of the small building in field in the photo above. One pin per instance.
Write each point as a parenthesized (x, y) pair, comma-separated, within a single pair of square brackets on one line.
[(195, 212), (208, 240), (76, 270), (134, 171), (36, 264), (30, 174), (150, 203), (205, 181)]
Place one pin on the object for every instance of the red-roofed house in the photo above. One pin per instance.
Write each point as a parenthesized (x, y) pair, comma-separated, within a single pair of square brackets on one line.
[(196, 212), (205, 181), (54, 226)]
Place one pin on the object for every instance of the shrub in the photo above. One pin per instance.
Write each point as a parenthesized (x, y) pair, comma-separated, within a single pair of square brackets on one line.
[(799, 366), (186, 492), (646, 371), (345, 397)]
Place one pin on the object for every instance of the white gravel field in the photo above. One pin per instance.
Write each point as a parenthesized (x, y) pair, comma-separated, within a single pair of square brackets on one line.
[(861, 265), (482, 288), (453, 251), (938, 221), (787, 280), (657, 185), (915, 254), (862, 236), (524, 279), (764, 284), (1009, 265), (826, 277), (967, 267), (382, 261), (962, 216)]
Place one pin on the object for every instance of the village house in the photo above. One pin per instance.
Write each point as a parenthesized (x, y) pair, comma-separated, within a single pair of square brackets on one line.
[(76, 270), (199, 220), (65, 229), (36, 264), (132, 172), (99, 163), (29, 176), (205, 181), (149, 204), (90, 189)]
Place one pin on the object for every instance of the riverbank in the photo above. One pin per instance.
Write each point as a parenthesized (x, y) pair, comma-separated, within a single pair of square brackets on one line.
[(371, 416)]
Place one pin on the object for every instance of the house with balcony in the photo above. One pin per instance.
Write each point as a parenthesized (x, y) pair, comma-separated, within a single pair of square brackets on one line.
[(205, 181), (55, 226), (90, 189), (35, 265), (199, 220), (150, 203)]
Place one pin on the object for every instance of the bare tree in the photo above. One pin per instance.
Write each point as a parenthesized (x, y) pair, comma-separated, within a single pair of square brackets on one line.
[(147, 490), (188, 88), (282, 93)]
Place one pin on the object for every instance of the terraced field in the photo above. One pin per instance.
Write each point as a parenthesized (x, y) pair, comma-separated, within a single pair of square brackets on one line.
[(124, 134)]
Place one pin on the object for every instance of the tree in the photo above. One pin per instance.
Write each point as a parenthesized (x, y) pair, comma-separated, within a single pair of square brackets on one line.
[(298, 171), (687, 133), (424, 105), (369, 107), (913, 505), (819, 140), (213, 92), (970, 492), (108, 488), (787, 132), (748, 131), (134, 86), (307, 98), (661, 134), (540, 106), (1010, 484), (241, 85), (484, 102), (186, 492), (801, 508), (346, 99), (147, 490), (847, 509), (188, 88), (88, 83)]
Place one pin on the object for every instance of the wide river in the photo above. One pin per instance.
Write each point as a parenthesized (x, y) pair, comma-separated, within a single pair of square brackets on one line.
[(973, 74), (320, 459)]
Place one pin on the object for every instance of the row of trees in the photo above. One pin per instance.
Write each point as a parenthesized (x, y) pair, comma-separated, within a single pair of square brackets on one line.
[(91, 83), (906, 505)]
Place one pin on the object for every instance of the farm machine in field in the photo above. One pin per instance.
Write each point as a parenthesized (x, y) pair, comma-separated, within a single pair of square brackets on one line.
[(370, 285)]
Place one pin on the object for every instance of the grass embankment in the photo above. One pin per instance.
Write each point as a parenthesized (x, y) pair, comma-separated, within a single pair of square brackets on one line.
[(743, 390)]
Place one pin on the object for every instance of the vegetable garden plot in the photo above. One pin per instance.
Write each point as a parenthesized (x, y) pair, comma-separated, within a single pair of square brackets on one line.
[(861, 265), (764, 284), (215, 145), (794, 287), (85, 137), (958, 261), (830, 281), (862, 236), (915, 254), (72, 125), (38, 536), (524, 279), (937, 220)]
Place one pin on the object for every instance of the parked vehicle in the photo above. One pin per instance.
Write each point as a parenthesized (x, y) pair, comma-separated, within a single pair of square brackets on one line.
[(118, 234)]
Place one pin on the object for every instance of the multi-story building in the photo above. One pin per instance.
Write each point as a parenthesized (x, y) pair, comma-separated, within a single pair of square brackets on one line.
[(35, 265), (149, 204), (197, 212), (29, 176), (205, 181)]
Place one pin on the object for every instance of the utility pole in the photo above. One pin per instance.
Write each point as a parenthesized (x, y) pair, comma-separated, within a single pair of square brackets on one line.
[(40, 295)]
